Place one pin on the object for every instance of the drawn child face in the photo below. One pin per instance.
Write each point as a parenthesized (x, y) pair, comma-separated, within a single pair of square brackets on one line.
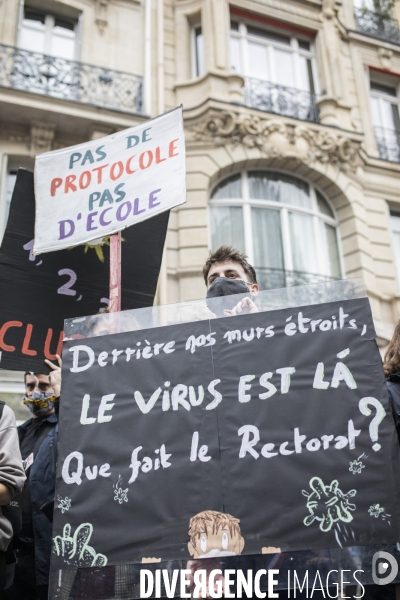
[(220, 543)]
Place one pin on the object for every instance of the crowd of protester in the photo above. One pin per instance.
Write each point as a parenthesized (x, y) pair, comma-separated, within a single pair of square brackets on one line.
[(28, 454)]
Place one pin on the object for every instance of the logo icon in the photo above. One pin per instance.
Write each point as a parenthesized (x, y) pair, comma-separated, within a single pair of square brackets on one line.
[(387, 565)]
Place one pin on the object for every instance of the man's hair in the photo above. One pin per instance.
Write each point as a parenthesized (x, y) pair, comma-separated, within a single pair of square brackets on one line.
[(32, 373), (226, 253), (391, 361), (213, 520)]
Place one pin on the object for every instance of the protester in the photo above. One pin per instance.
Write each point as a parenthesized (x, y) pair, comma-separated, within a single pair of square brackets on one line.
[(391, 366), (12, 478), (38, 439), (227, 272)]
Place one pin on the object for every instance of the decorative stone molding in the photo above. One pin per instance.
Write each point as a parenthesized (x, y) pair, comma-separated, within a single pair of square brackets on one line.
[(277, 139), (41, 138), (14, 133), (297, 11), (385, 57), (101, 19)]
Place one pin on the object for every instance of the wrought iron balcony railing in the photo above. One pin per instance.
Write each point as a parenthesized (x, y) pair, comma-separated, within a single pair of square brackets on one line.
[(269, 278), (69, 80), (388, 142), (281, 100), (377, 24)]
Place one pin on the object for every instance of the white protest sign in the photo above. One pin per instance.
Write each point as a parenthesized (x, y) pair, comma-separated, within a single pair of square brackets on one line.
[(96, 189)]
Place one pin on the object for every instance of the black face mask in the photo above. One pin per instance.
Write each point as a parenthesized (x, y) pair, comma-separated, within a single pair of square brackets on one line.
[(222, 286)]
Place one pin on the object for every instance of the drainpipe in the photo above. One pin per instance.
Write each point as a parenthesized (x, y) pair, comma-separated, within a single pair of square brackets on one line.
[(147, 58), (162, 282)]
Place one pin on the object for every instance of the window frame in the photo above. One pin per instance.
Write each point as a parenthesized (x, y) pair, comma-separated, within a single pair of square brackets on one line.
[(244, 38), (285, 208), (382, 97), (194, 51), (10, 162), (49, 24), (394, 230)]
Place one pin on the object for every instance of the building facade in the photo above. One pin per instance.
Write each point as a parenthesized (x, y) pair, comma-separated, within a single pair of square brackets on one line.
[(292, 124)]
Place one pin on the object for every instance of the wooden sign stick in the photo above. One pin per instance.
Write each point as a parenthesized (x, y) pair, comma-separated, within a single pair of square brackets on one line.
[(115, 272)]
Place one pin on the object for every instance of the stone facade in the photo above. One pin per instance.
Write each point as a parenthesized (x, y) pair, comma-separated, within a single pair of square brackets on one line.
[(153, 40)]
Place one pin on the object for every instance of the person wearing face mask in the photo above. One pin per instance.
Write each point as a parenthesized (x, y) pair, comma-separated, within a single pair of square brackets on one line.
[(226, 273), (38, 438)]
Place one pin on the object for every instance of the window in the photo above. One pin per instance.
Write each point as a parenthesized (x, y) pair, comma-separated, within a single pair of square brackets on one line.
[(386, 120), (10, 183), (48, 34), (395, 226), (278, 69), (10, 166), (198, 52), (285, 226), (278, 58)]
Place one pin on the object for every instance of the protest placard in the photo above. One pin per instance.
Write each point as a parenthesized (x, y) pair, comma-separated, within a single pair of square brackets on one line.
[(100, 187), (38, 293), (226, 437)]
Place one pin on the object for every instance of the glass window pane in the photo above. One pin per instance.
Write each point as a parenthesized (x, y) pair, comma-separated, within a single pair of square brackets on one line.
[(10, 183), (258, 61), (302, 242), (279, 188), (63, 43), (304, 75), (304, 45), (199, 44), (284, 67), (384, 89), (32, 36), (267, 238), (323, 206), (32, 15), (376, 115), (236, 64), (229, 188), (396, 249), (387, 114), (269, 35), (331, 250), (267, 247), (227, 227), (264, 186), (234, 26), (395, 221)]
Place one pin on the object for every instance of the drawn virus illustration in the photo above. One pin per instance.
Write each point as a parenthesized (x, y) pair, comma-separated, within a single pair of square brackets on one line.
[(356, 467), (64, 504), (121, 495), (375, 510), (328, 504)]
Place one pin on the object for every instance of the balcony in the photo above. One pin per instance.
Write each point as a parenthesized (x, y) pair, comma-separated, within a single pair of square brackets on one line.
[(69, 80), (388, 142), (280, 100), (269, 278), (377, 24)]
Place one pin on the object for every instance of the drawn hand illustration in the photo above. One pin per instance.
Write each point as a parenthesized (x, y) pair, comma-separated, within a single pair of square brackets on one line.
[(150, 559), (328, 504), (76, 550), (214, 534)]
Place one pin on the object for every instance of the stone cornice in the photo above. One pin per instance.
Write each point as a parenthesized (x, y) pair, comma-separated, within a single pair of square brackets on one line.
[(292, 9), (277, 137)]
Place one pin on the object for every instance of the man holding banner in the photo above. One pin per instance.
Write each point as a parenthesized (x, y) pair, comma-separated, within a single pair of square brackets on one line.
[(38, 439)]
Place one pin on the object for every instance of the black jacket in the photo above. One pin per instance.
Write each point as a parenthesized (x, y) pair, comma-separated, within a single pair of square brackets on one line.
[(393, 386), (42, 479)]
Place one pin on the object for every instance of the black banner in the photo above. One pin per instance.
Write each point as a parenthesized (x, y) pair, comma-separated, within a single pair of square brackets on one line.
[(223, 437), (39, 292)]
